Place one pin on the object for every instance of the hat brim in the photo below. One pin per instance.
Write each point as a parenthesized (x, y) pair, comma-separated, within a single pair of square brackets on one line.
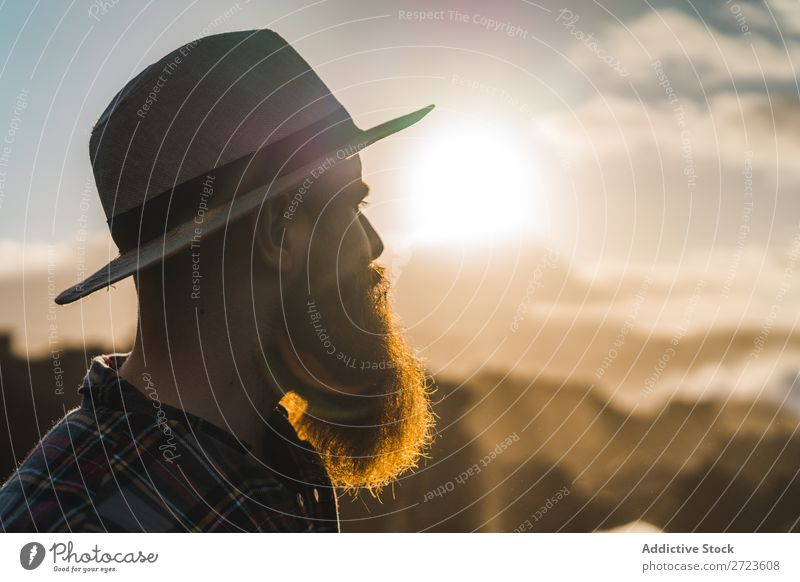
[(180, 237)]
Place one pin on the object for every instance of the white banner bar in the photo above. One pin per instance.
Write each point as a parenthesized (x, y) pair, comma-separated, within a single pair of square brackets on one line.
[(413, 557)]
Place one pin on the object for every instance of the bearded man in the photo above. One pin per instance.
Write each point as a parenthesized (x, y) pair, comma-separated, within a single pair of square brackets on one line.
[(267, 370)]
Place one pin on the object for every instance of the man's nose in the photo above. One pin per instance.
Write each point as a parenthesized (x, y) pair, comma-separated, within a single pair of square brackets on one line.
[(375, 242)]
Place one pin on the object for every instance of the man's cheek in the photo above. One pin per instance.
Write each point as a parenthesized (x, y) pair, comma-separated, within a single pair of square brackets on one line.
[(355, 254)]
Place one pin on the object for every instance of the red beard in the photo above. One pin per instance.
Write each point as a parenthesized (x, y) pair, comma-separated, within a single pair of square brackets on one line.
[(348, 337)]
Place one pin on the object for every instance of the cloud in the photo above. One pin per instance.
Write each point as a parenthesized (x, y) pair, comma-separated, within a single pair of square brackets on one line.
[(785, 14), (697, 57), (610, 324), (659, 177)]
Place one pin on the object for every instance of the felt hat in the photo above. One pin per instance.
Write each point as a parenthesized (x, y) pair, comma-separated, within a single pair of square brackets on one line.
[(203, 136)]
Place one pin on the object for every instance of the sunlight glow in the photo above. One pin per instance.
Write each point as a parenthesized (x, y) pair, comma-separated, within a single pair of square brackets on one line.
[(473, 183)]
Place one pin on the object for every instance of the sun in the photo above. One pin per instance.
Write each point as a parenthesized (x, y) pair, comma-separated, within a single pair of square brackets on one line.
[(475, 182)]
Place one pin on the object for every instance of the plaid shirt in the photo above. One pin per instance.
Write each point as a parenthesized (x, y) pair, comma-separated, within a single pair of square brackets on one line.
[(125, 462)]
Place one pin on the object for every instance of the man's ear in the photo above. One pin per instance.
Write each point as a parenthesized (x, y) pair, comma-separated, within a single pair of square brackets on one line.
[(270, 241)]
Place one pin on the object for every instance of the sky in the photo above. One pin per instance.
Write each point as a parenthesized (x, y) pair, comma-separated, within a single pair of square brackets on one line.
[(579, 153), (618, 155)]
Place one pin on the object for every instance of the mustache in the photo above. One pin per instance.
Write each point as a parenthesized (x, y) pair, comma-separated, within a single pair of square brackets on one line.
[(367, 292), (378, 282), (371, 280)]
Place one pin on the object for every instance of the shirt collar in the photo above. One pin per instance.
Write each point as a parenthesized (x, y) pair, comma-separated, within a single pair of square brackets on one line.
[(103, 387)]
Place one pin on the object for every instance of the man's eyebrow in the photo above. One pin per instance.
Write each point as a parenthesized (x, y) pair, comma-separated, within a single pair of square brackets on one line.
[(353, 194)]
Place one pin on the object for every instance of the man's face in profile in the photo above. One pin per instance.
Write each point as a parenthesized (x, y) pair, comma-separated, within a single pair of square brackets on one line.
[(341, 334)]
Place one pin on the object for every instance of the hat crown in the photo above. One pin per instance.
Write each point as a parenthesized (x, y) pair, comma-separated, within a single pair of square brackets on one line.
[(206, 103)]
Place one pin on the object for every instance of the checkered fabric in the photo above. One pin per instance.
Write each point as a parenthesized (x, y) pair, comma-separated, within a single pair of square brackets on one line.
[(124, 461)]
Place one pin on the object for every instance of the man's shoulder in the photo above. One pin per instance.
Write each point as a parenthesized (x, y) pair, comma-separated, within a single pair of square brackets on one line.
[(100, 469), (77, 471), (53, 484)]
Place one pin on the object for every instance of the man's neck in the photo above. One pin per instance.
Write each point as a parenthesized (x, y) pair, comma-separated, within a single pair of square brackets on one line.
[(201, 374)]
